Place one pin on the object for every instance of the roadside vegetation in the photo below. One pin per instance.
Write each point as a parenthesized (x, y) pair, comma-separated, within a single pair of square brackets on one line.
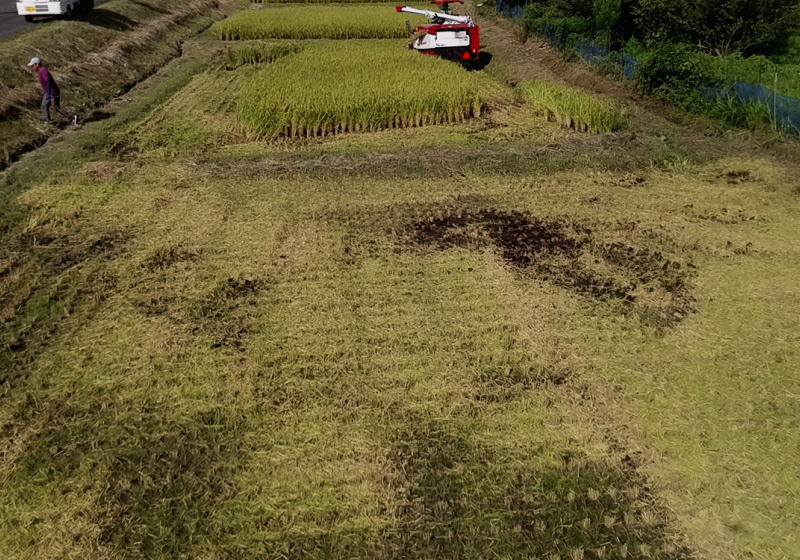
[(693, 53), (253, 314)]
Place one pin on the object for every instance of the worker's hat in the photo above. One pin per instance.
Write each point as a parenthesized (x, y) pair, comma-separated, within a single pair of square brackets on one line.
[(35, 60)]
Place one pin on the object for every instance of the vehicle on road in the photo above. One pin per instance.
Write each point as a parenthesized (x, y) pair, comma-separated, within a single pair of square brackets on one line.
[(65, 8)]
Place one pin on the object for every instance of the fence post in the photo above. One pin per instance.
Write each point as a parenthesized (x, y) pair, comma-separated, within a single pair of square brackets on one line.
[(775, 104)]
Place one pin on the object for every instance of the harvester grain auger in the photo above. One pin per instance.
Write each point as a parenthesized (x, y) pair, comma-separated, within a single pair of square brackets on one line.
[(448, 35)]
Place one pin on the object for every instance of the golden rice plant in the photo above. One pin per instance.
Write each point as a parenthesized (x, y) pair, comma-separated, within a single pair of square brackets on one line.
[(258, 53), (574, 108), (331, 88), (316, 1), (318, 22)]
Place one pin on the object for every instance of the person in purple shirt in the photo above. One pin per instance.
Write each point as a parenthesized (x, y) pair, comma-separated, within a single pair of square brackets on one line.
[(52, 94)]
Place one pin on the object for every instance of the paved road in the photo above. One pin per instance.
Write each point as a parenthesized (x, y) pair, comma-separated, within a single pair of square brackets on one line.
[(11, 23)]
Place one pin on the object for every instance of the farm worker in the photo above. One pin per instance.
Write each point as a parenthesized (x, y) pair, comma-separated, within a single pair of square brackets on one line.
[(52, 93)]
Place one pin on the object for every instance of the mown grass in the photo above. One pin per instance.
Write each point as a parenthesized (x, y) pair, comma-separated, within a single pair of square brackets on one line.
[(317, 22), (327, 89), (574, 108)]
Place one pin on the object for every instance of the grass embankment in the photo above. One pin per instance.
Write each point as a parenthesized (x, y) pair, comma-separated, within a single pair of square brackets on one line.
[(574, 108), (494, 339), (92, 58), (317, 22), (327, 89)]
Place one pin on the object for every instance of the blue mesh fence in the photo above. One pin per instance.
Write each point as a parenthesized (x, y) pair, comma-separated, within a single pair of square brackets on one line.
[(786, 110)]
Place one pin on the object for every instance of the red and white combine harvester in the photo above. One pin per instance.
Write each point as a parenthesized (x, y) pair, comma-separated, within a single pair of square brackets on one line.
[(448, 35)]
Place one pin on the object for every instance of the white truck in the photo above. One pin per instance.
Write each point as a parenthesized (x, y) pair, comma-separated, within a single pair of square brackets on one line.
[(66, 8)]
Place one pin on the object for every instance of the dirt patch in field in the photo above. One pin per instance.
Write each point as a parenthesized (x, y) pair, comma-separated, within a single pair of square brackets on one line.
[(224, 313), (737, 177), (166, 257), (567, 254)]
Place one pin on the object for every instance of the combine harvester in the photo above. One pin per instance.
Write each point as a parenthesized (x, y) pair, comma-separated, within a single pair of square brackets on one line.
[(448, 35)]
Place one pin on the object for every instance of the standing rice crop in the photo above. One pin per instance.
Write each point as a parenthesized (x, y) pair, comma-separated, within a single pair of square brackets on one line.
[(316, 1), (330, 88), (258, 53), (574, 108), (318, 22)]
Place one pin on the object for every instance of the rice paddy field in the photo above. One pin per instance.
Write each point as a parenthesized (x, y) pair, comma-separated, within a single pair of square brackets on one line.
[(317, 1), (574, 108), (254, 314), (327, 89), (325, 22)]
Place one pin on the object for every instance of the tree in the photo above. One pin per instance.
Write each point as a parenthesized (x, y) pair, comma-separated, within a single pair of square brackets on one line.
[(718, 26), (606, 16)]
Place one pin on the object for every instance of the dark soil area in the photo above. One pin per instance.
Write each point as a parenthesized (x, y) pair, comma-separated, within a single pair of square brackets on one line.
[(567, 254)]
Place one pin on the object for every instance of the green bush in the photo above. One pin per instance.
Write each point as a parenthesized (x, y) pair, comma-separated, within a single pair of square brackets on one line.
[(743, 114), (757, 70), (606, 15), (720, 27), (675, 71), (568, 30)]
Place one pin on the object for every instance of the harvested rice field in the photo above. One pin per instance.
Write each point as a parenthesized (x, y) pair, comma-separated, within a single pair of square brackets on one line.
[(317, 299)]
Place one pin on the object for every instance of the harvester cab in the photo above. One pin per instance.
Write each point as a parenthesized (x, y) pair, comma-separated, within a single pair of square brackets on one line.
[(448, 35)]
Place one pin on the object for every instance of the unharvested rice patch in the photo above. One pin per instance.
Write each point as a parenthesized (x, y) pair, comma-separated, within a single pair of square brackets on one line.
[(328, 89), (317, 1), (570, 256), (574, 108), (319, 22), (258, 53)]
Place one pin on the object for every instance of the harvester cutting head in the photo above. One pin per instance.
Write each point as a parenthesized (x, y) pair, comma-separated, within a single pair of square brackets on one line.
[(448, 35)]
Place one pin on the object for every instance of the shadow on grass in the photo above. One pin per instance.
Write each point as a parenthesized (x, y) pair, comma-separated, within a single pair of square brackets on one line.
[(484, 59), (96, 116), (110, 20), (465, 501), (161, 476)]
